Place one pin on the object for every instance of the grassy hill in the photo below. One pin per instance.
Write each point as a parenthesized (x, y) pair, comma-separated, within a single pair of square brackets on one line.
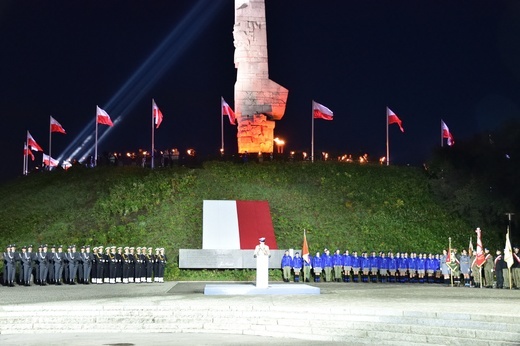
[(359, 207)]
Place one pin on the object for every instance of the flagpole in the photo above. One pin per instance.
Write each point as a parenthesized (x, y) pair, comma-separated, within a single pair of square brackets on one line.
[(221, 127), (95, 150), (24, 157), (50, 140), (451, 269), (442, 139), (153, 139), (387, 142), (312, 135), (27, 154)]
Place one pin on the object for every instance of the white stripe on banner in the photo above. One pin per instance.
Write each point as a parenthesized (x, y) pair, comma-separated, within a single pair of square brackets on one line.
[(220, 225)]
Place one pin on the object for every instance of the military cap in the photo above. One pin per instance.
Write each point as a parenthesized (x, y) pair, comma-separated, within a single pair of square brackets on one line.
[(120, 248), (262, 239), (138, 248), (30, 246), (83, 247), (132, 248), (53, 247), (150, 248), (296, 253), (126, 247), (24, 247)]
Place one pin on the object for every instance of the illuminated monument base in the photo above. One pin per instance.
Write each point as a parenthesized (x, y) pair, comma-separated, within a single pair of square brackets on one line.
[(258, 100)]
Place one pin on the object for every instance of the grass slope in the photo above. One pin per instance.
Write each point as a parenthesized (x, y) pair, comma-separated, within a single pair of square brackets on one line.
[(359, 207)]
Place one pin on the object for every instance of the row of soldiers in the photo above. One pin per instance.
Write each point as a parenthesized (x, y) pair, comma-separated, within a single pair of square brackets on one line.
[(101, 265), (398, 267)]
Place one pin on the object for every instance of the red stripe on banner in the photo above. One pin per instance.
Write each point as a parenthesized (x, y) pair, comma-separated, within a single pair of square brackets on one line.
[(254, 222)]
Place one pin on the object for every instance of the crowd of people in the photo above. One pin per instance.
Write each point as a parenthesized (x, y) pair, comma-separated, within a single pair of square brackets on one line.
[(101, 265), (457, 269)]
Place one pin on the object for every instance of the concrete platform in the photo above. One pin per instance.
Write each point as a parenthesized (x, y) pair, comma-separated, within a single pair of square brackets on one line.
[(251, 289)]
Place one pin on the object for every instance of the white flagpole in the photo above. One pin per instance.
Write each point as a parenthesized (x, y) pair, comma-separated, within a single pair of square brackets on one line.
[(50, 140), (153, 138), (312, 135), (221, 127), (442, 140), (387, 141), (95, 150), (25, 154)]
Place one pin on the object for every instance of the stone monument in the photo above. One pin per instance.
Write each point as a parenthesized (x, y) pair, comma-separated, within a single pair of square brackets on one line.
[(259, 101)]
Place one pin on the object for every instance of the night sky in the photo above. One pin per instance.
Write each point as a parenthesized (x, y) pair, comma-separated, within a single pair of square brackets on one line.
[(426, 60)]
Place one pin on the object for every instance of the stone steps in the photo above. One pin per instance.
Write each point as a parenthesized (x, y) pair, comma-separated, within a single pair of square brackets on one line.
[(339, 324)]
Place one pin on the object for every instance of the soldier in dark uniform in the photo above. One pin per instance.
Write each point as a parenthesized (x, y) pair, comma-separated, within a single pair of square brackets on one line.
[(131, 267), (112, 265), (16, 268), (162, 264), (125, 258), (80, 265), (8, 266), (100, 265), (156, 265), (41, 259), (30, 272), (106, 265), (58, 265), (143, 264), (25, 274), (137, 261), (87, 265), (73, 262), (50, 263), (149, 261), (93, 264), (36, 267), (119, 265)]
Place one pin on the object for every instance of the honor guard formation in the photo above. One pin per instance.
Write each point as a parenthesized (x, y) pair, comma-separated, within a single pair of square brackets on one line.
[(101, 265), (401, 267)]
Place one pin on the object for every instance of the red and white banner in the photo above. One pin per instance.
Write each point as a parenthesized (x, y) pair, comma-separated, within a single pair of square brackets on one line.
[(56, 126), (227, 110), (27, 152), (394, 119), (103, 117), (321, 112), (32, 143), (305, 249), (447, 134), (156, 114), (481, 258), (49, 161), (233, 225)]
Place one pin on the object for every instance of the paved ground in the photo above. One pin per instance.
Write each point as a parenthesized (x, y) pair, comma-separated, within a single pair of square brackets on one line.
[(412, 297)]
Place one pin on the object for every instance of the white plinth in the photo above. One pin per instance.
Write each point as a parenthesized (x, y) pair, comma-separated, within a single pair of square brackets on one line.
[(262, 271)]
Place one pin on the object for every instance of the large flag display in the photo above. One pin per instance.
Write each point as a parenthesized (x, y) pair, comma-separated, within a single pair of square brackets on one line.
[(447, 134), (321, 112), (481, 258), (32, 143), (156, 114), (236, 224), (56, 126), (394, 119), (103, 117), (227, 110), (49, 161)]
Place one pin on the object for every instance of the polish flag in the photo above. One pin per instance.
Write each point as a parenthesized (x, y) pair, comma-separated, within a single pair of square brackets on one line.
[(236, 225), (49, 161), (481, 257), (103, 117), (305, 249), (447, 134), (28, 152), (156, 114), (394, 119), (321, 112), (227, 110), (32, 143), (56, 126)]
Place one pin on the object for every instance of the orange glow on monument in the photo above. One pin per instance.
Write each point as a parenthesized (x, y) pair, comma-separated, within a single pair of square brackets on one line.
[(259, 101)]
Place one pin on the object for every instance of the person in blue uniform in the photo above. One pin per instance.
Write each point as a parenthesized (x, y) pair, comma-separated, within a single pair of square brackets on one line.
[(286, 266), (297, 265), (307, 266), (356, 266), (465, 267), (8, 266), (374, 266), (365, 266), (26, 260), (317, 266), (327, 265), (392, 267), (383, 267), (347, 266)]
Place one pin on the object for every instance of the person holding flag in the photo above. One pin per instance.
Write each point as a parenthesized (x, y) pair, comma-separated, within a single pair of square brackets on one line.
[(508, 262), (489, 264), (307, 266)]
